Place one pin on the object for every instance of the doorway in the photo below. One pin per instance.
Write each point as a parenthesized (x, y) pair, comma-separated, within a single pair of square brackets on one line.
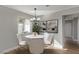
[(70, 32)]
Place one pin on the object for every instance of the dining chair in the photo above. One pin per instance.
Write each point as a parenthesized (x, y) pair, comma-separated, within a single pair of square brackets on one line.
[(36, 46), (48, 40), (21, 42)]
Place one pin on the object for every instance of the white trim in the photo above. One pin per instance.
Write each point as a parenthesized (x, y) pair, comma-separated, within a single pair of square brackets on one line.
[(8, 49)]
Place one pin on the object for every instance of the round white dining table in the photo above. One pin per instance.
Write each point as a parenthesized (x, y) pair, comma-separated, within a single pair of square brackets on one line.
[(34, 36)]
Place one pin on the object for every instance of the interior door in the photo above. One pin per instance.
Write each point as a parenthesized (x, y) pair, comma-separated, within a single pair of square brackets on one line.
[(68, 29)]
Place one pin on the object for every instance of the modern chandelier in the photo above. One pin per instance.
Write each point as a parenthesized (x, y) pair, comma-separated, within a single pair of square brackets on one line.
[(35, 16)]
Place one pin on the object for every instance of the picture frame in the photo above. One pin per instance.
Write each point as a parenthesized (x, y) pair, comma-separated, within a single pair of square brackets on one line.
[(43, 25), (52, 26)]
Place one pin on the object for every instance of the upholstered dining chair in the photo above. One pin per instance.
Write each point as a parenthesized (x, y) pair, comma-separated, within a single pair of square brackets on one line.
[(48, 39), (36, 46), (21, 42)]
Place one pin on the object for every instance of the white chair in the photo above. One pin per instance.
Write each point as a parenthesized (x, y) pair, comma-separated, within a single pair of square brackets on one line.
[(36, 46), (20, 41), (48, 39)]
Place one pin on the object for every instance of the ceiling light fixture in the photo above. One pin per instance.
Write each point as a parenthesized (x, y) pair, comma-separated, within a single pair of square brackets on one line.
[(35, 17), (47, 5), (35, 14)]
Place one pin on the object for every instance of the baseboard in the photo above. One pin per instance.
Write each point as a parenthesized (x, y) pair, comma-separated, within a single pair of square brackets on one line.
[(8, 49)]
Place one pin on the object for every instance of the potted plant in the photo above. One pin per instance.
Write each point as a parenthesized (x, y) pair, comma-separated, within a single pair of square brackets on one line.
[(36, 27)]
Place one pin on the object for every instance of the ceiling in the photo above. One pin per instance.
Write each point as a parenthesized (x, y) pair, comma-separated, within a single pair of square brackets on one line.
[(41, 9)]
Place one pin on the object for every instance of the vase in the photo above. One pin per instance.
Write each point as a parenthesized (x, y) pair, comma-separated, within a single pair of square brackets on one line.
[(35, 33)]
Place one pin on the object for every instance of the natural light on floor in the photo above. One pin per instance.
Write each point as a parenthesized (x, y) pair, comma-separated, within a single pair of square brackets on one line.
[(57, 45)]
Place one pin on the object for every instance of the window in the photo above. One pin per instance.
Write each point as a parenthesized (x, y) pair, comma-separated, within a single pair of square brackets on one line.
[(24, 25), (20, 28), (27, 26)]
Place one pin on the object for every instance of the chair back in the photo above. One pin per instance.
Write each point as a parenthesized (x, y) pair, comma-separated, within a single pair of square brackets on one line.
[(36, 45), (51, 38), (19, 36)]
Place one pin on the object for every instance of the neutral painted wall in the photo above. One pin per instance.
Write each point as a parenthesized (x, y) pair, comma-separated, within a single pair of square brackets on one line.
[(74, 29), (58, 15), (8, 27), (78, 30)]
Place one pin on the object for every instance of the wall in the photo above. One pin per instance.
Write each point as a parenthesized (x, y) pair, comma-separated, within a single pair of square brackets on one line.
[(74, 28), (8, 27), (78, 30), (58, 15)]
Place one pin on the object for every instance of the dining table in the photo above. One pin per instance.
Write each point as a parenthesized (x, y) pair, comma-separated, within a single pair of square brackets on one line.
[(35, 43)]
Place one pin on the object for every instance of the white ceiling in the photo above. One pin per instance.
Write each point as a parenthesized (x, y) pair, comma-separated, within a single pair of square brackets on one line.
[(41, 9)]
